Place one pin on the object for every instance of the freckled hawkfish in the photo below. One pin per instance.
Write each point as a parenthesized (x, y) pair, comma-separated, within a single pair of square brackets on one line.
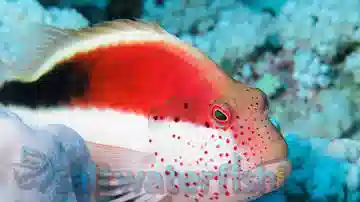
[(146, 101)]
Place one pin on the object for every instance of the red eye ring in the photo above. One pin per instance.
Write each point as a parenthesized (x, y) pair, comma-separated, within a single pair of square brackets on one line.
[(220, 114)]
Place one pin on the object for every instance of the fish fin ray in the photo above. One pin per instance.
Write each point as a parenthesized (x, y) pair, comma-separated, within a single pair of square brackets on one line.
[(123, 25), (44, 40), (116, 176), (154, 198), (50, 45)]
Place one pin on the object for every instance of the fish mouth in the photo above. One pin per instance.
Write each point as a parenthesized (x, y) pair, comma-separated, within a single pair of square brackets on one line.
[(265, 178), (252, 184)]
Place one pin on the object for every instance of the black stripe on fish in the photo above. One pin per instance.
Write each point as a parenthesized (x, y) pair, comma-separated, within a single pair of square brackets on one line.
[(65, 81)]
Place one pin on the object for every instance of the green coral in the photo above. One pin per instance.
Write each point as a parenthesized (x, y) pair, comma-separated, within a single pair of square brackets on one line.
[(227, 65), (269, 84), (98, 3)]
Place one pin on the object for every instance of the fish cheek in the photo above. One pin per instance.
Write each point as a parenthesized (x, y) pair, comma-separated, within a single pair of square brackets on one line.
[(249, 143), (165, 133)]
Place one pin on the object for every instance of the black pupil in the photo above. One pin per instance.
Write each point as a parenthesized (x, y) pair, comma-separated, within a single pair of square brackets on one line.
[(220, 116)]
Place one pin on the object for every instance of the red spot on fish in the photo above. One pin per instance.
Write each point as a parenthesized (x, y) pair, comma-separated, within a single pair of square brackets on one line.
[(207, 124)]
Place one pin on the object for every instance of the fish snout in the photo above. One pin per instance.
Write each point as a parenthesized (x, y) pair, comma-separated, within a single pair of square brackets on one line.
[(276, 144), (265, 155), (274, 161)]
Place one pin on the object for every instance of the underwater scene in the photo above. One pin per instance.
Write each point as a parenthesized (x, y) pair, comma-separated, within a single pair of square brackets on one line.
[(179, 100)]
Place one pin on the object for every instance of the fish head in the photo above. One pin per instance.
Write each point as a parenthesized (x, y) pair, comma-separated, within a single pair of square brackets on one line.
[(222, 129), (243, 111), (255, 150)]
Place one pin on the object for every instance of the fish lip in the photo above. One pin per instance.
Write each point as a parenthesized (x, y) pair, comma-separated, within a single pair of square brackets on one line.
[(273, 166), (283, 163), (274, 161)]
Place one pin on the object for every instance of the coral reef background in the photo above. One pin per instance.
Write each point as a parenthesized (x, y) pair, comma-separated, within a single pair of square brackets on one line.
[(304, 54)]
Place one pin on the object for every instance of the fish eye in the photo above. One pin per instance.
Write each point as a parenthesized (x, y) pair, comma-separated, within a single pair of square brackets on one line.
[(220, 114)]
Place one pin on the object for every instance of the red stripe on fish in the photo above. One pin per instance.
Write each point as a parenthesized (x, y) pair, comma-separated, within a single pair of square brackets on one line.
[(146, 78)]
